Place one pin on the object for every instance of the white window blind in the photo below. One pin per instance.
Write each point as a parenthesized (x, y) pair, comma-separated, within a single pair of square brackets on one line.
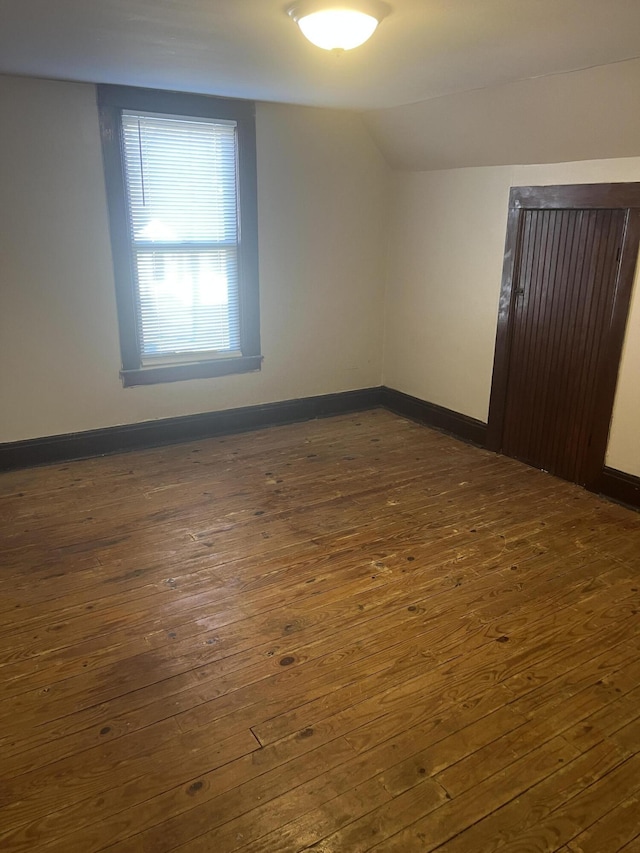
[(181, 176)]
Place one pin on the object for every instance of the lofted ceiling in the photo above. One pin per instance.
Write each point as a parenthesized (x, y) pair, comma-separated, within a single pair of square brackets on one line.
[(250, 48)]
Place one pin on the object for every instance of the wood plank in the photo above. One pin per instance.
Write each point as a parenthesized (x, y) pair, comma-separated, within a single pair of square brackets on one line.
[(456, 815), (513, 820), (570, 818), (612, 832)]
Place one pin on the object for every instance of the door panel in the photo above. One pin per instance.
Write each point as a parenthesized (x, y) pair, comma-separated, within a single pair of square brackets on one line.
[(564, 288), (568, 273)]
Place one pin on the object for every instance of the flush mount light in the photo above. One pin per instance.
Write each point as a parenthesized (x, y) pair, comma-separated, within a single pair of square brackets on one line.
[(338, 25)]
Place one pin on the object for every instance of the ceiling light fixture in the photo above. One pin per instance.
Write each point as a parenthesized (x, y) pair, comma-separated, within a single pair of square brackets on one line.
[(338, 24)]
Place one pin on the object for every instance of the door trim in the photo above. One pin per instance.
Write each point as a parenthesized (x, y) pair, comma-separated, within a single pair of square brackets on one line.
[(576, 197), (568, 197)]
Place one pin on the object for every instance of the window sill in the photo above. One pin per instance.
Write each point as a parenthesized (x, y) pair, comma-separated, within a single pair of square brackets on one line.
[(190, 370)]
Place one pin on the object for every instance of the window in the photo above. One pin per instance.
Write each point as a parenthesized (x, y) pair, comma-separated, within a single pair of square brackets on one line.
[(181, 186)]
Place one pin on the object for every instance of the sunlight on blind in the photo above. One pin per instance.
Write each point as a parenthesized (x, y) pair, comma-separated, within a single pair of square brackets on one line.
[(182, 195)]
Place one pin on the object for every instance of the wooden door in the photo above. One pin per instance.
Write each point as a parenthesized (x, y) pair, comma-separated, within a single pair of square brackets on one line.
[(569, 265)]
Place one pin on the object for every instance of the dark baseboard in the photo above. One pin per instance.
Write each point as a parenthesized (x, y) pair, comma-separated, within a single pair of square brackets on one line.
[(620, 487), (116, 439), (616, 485), (460, 426), (99, 442)]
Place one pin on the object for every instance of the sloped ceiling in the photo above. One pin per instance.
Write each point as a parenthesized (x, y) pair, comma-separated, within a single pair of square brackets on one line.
[(586, 115), (250, 48)]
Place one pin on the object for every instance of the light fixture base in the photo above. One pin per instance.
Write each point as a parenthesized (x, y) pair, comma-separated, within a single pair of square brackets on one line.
[(376, 8)]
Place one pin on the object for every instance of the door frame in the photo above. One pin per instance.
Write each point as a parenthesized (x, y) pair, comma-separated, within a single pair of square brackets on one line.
[(625, 196)]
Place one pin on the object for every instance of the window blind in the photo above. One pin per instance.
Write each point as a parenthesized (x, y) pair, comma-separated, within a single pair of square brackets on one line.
[(181, 177)]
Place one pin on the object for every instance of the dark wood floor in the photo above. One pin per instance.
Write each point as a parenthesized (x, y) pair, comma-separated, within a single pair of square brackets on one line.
[(346, 635)]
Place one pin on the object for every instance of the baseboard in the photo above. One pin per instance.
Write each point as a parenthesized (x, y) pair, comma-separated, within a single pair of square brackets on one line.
[(99, 442), (460, 426), (620, 487)]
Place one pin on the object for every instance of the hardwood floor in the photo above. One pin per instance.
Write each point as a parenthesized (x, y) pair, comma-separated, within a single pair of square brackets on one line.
[(345, 635)]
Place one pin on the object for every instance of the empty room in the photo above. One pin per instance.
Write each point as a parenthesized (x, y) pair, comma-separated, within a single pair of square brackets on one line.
[(320, 426)]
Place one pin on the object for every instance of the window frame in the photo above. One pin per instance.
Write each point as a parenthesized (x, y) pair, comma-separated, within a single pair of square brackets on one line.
[(112, 100)]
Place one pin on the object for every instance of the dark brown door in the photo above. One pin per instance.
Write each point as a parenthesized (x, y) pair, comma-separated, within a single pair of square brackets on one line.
[(562, 334)]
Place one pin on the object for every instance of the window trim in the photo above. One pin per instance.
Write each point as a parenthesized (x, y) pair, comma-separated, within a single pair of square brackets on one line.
[(112, 100)]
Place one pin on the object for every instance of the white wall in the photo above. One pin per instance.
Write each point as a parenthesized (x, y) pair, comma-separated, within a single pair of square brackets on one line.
[(447, 243), (322, 190), (444, 279)]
